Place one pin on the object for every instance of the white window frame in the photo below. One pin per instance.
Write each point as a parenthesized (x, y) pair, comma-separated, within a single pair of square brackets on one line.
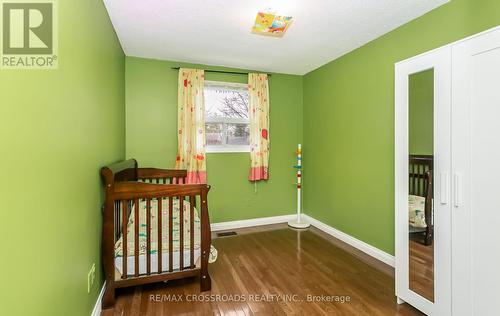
[(227, 120)]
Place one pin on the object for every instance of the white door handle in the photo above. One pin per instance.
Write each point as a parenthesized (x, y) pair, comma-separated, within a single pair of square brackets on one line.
[(457, 189), (444, 187)]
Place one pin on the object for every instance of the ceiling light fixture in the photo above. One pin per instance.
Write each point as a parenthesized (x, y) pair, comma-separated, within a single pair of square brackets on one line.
[(270, 24)]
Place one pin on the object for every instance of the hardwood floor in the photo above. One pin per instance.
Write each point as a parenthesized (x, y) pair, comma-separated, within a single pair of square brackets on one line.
[(421, 266), (271, 271)]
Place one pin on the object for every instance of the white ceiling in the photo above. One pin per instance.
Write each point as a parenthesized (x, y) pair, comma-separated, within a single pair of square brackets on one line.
[(217, 32)]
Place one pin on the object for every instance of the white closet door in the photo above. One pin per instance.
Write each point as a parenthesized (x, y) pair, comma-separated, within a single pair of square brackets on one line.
[(476, 176), (440, 61)]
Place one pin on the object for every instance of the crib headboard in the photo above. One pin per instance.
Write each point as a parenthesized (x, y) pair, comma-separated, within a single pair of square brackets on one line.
[(121, 171)]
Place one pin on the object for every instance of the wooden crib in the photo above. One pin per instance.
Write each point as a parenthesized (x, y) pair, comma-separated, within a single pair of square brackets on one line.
[(126, 185)]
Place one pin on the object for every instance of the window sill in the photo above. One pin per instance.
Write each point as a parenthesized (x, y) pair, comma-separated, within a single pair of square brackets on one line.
[(227, 149)]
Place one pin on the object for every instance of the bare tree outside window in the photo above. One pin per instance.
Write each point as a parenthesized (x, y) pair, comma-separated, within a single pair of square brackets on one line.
[(227, 119), (235, 105)]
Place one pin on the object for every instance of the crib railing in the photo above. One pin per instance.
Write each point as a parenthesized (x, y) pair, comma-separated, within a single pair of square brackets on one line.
[(130, 194), (123, 199), (146, 175)]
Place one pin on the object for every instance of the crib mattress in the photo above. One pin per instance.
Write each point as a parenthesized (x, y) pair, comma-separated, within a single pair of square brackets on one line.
[(154, 262)]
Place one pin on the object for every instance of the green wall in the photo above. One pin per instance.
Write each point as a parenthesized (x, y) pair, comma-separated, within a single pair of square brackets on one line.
[(349, 121), (421, 113), (57, 128), (151, 124)]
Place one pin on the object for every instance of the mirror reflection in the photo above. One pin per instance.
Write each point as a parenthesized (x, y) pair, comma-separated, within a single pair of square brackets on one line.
[(420, 199)]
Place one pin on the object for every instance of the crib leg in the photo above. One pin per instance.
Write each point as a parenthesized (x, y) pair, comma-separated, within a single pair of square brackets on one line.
[(429, 236), (108, 299), (205, 281)]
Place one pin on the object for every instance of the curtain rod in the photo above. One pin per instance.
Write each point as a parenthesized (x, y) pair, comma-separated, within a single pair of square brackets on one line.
[(224, 72)]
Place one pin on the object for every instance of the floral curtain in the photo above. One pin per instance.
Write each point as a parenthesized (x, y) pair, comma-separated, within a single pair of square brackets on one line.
[(258, 96), (191, 125)]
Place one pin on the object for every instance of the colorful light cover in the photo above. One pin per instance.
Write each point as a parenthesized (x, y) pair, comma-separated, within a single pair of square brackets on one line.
[(271, 24)]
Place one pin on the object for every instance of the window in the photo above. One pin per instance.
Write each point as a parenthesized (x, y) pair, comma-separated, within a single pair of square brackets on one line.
[(226, 117)]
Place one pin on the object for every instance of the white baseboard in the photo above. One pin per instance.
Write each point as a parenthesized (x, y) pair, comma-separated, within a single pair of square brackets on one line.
[(348, 239), (356, 243), (251, 222), (98, 305)]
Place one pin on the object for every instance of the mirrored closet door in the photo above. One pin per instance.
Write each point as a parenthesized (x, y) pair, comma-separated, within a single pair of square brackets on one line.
[(423, 245)]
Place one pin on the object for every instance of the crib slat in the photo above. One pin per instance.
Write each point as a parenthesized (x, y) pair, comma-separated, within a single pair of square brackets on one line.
[(124, 239), (414, 172), (170, 234), (117, 229), (181, 231), (409, 178), (192, 200), (159, 243), (415, 176), (148, 236), (136, 236), (416, 179), (425, 182), (412, 179), (421, 180)]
